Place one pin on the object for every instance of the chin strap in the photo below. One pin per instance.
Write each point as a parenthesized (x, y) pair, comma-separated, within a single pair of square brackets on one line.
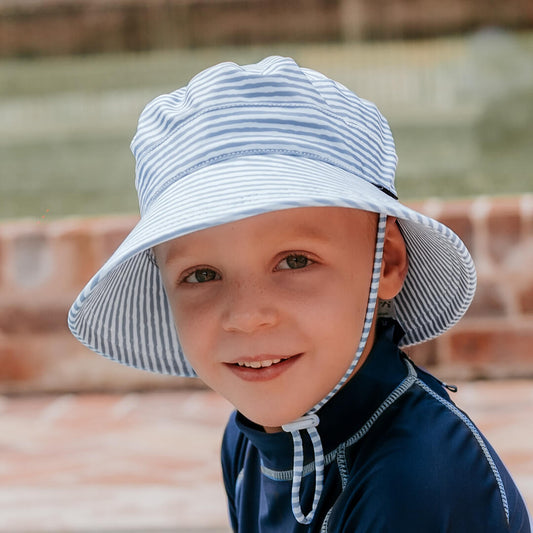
[(308, 423), (310, 420)]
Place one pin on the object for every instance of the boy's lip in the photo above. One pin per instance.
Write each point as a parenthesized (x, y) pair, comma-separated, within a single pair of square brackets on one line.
[(263, 373), (259, 358)]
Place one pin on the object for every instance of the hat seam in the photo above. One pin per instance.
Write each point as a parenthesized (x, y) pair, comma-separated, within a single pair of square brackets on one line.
[(252, 152)]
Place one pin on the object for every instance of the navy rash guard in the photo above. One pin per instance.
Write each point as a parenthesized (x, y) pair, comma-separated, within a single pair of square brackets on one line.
[(400, 457)]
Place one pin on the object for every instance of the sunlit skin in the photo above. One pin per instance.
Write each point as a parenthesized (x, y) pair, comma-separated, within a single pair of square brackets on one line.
[(288, 285)]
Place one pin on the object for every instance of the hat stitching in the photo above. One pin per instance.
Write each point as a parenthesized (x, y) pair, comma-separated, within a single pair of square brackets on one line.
[(242, 153), (336, 160)]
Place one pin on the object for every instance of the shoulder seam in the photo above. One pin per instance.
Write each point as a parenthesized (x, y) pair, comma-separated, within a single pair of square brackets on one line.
[(477, 436)]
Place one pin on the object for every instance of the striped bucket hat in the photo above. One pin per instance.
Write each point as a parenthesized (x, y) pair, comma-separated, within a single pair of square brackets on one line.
[(240, 141)]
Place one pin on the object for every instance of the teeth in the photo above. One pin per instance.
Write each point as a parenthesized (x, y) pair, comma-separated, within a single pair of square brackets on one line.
[(259, 364)]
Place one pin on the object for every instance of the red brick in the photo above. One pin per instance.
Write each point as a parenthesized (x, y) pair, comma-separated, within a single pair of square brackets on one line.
[(56, 361), (425, 354), (456, 215), (75, 250), (17, 320), (3, 259), (492, 341), (14, 365), (31, 263), (110, 232), (525, 299), (500, 344), (111, 240), (488, 301), (504, 227)]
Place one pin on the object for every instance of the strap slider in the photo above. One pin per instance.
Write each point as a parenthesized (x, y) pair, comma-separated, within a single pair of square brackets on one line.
[(304, 422)]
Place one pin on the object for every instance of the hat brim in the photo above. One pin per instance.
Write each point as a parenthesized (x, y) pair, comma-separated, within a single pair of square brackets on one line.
[(123, 312)]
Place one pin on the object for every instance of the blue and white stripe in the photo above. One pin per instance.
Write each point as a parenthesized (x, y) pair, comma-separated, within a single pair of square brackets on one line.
[(230, 111), (307, 423)]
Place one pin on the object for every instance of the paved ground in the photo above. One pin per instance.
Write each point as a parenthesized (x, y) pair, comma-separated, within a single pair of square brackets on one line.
[(149, 462)]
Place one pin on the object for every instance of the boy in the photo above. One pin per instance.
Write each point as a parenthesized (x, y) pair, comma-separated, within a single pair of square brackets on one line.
[(274, 260)]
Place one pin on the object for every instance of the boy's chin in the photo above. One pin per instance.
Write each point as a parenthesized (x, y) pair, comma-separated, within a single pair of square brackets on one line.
[(272, 424)]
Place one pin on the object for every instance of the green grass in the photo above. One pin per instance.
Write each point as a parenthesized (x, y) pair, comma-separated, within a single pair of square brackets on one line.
[(85, 176), (66, 123), (170, 68)]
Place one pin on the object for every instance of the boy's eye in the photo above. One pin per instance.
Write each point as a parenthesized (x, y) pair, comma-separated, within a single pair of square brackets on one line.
[(201, 276), (294, 261)]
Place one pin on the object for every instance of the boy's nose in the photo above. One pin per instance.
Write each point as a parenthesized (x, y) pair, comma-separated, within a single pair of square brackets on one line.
[(249, 307)]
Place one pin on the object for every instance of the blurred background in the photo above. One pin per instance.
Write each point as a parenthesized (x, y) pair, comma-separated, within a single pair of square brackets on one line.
[(455, 81), (86, 445)]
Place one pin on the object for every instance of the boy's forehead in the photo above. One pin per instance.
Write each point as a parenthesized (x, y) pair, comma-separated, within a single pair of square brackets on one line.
[(310, 223)]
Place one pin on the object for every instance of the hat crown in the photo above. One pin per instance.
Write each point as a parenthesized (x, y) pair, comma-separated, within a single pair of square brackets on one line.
[(272, 107)]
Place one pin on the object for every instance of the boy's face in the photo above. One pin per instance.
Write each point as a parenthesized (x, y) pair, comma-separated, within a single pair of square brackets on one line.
[(270, 309)]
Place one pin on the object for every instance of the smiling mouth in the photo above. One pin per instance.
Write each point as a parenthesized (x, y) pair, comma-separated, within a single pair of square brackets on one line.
[(263, 368), (260, 364)]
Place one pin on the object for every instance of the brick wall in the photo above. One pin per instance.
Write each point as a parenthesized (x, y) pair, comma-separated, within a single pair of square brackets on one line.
[(35, 27), (495, 337), (43, 265)]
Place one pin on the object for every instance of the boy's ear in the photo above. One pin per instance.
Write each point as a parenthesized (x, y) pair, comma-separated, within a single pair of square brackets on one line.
[(395, 261)]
